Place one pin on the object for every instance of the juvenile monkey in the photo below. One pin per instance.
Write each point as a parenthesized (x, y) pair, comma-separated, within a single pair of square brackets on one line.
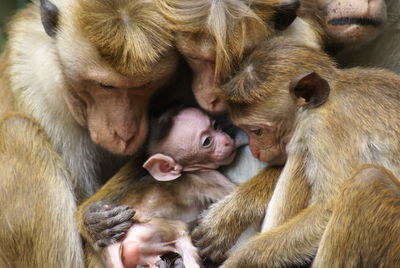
[(325, 122), (185, 149)]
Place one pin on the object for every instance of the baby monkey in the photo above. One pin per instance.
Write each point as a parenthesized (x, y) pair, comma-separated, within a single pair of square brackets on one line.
[(185, 149)]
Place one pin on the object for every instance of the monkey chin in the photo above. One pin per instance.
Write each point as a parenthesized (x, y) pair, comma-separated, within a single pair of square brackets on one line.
[(229, 159), (353, 34)]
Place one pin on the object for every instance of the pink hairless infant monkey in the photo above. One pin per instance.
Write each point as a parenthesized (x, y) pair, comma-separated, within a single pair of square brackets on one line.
[(185, 149)]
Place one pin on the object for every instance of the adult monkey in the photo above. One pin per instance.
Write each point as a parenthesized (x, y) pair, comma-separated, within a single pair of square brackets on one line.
[(74, 75), (214, 36), (363, 32)]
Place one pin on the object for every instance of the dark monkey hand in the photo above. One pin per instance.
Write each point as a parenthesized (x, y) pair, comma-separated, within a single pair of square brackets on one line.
[(107, 223)]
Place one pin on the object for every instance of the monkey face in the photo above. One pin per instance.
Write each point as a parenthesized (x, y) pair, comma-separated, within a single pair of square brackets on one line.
[(353, 22), (199, 52), (264, 144), (196, 138), (112, 106)]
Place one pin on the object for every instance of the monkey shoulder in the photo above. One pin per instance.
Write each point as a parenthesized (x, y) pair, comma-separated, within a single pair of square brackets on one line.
[(22, 132)]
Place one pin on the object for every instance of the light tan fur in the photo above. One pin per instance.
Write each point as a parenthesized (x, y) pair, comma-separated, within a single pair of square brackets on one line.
[(328, 143), (37, 73)]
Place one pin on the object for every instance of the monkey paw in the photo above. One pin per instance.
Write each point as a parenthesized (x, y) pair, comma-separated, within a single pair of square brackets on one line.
[(106, 223), (212, 241)]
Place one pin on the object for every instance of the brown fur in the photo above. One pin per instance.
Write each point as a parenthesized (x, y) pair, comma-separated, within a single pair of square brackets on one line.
[(234, 27), (179, 199), (49, 160), (355, 125), (230, 24), (118, 28)]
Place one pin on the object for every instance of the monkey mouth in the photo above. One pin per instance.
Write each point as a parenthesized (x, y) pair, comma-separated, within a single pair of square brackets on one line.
[(362, 21)]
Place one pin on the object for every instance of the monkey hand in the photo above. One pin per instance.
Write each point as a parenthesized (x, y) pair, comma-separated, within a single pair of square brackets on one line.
[(216, 234), (107, 224), (244, 257)]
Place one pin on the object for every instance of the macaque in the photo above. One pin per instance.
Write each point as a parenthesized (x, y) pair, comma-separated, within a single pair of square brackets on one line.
[(82, 74), (214, 36), (363, 32), (324, 123), (185, 148)]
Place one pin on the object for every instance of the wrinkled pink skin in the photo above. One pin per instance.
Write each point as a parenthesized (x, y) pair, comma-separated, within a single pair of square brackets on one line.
[(190, 130), (143, 245)]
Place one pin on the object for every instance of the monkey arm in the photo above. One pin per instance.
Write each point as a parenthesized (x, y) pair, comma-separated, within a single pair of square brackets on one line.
[(101, 218), (38, 204), (227, 219), (294, 242)]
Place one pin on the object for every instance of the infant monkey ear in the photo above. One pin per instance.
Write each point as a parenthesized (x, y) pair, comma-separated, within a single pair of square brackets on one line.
[(163, 167)]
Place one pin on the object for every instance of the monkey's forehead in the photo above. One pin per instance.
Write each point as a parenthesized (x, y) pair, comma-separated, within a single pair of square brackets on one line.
[(130, 35)]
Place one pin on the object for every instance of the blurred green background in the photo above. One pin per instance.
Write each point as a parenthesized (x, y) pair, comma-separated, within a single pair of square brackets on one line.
[(7, 9)]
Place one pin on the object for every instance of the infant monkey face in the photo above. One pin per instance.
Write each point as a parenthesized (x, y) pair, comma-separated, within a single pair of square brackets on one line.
[(196, 132)]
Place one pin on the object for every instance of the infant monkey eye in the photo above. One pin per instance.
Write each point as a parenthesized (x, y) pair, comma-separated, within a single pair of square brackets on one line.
[(207, 142)]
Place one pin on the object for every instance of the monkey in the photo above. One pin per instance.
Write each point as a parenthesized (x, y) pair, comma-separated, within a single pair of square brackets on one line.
[(324, 123), (185, 148), (85, 73), (363, 33), (154, 243), (214, 36)]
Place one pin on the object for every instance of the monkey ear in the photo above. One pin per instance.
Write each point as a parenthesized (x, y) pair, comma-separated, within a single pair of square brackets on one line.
[(163, 167), (285, 14), (309, 90), (49, 16)]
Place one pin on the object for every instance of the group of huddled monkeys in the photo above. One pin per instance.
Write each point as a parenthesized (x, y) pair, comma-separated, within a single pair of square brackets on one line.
[(116, 116)]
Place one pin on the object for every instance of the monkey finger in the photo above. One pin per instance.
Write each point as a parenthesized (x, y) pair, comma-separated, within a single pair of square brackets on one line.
[(217, 255), (197, 234), (108, 241), (119, 218), (213, 253), (122, 227), (99, 217)]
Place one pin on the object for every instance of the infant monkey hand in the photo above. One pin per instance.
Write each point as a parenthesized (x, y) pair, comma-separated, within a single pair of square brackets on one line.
[(107, 223)]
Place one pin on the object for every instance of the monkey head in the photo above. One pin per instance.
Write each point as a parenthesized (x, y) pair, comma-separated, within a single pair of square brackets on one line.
[(113, 55), (353, 22), (272, 86), (192, 142), (213, 36)]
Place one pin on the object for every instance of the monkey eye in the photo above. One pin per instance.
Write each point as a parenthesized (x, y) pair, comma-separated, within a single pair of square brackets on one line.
[(256, 131), (207, 141), (106, 86)]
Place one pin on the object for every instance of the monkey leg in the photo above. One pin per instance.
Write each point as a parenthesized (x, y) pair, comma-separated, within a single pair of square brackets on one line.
[(364, 229), (226, 220), (37, 224)]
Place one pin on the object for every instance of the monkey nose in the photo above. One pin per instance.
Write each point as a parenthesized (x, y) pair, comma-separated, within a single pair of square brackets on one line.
[(124, 136)]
